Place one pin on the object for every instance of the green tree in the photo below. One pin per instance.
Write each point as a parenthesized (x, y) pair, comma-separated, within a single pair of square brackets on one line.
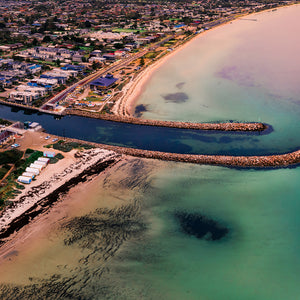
[(119, 45), (87, 24), (95, 65), (142, 61), (35, 42), (47, 39)]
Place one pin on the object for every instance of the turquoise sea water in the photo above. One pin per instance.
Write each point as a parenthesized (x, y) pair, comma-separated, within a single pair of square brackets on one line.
[(244, 71), (257, 259), (136, 232)]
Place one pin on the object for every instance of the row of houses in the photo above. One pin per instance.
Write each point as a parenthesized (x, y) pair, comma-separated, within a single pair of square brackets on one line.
[(40, 87), (11, 64), (68, 56), (26, 94), (11, 47), (52, 54), (11, 71)]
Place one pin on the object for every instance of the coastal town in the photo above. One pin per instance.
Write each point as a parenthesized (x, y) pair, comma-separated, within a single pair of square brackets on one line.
[(149, 149), (70, 59), (84, 55)]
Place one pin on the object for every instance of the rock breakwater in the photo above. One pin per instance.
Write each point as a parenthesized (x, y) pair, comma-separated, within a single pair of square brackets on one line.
[(265, 161), (228, 126)]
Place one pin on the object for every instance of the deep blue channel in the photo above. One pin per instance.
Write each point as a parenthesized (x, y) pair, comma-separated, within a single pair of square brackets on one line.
[(150, 138)]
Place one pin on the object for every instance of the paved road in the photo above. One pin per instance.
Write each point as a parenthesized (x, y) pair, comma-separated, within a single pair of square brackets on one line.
[(124, 62), (60, 96)]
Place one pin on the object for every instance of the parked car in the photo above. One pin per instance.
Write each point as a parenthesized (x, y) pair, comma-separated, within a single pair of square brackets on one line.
[(47, 137), (54, 140), (15, 145)]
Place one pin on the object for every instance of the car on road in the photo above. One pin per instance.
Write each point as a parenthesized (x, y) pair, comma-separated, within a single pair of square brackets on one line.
[(15, 145)]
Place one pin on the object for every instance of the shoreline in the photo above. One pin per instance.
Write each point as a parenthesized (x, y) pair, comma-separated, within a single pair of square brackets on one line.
[(37, 199), (124, 106), (11, 222)]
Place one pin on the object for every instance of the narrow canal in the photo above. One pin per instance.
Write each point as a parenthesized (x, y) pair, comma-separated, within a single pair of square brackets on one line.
[(158, 138)]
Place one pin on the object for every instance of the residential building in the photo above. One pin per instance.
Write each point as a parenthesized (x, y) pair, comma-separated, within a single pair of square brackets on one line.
[(102, 83)]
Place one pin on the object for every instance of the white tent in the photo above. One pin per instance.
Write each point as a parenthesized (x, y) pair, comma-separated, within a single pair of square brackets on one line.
[(41, 163), (44, 159)]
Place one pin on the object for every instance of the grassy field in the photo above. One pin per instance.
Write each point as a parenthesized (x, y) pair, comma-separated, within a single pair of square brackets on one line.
[(5, 122), (68, 146), (152, 55), (93, 98), (126, 30)]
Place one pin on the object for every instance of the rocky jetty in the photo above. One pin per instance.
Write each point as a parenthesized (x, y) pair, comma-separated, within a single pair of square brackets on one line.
[(277, 160), (229, 126)]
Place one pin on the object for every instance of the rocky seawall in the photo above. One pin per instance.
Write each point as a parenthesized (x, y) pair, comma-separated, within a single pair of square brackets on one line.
[(229, 126), (265, 161), (20, 105)]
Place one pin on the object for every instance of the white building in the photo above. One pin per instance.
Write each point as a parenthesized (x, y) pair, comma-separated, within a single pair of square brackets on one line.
[(32, 89), (97, 59), (23, 97), (46, 82), (33, 170), (24, 179)]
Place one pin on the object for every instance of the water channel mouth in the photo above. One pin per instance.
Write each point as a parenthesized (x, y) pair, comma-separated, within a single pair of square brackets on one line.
[(153, 138)]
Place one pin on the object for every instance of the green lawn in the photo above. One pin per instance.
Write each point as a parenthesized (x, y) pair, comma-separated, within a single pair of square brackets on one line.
[(126, 30), (95, 98), (152, 55)]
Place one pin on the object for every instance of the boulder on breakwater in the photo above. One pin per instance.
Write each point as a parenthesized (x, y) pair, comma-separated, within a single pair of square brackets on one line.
[(228, 126), (277, 160)]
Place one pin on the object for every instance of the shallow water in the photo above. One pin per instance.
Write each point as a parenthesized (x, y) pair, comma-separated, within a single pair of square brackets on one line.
[(134, 207), (247, 70), (257, 259), (119, 237)]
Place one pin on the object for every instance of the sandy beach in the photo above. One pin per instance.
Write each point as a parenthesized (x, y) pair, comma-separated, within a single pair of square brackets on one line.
[(51, 179), (125, 105), (44, 232)]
